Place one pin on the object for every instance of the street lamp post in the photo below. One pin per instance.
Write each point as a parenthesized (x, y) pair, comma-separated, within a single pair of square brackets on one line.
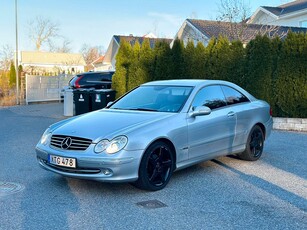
[(16, 57)]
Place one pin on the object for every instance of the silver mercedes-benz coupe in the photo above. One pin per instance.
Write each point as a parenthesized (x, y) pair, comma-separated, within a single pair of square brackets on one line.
[(156, 129)]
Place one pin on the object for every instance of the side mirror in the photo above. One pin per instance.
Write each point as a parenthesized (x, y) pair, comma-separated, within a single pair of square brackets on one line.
[(200, 111), (109, 103)]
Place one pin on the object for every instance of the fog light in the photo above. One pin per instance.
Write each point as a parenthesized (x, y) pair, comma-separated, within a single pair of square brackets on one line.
[(106, 171)]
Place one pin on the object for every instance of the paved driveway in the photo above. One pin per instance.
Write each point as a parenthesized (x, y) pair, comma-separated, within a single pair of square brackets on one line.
[(225, 193)]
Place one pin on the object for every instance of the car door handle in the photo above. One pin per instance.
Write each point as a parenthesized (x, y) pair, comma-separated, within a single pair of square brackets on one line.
[(231, 114)]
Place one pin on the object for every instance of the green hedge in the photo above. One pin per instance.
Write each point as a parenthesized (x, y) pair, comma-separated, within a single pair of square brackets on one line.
[(271, 69)]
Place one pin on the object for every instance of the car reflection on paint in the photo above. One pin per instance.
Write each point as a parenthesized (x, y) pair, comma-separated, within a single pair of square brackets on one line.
[(156, 129)]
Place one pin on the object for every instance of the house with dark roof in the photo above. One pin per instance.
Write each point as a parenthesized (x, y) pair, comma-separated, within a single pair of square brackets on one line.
[(203, 30), (109, 60), (292, 14)]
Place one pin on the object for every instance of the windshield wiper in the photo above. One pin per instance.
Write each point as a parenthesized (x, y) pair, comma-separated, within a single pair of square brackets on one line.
[(144, 109)]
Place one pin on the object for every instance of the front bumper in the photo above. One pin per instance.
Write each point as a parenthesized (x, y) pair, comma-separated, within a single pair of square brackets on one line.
[(120, 167)]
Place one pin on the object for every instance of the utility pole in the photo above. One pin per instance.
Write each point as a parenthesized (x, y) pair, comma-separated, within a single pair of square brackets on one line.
[(16, 57)]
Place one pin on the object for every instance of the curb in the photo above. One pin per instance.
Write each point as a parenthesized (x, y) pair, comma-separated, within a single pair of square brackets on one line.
[(290, 124)]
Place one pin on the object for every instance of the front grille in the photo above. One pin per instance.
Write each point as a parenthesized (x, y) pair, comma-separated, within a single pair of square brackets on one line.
[(75, 143)]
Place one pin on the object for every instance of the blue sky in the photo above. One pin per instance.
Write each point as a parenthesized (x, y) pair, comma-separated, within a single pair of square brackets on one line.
[(94, 22)]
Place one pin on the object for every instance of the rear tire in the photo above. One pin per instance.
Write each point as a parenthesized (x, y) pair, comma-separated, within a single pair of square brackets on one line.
[(254, 145), (156, 168)]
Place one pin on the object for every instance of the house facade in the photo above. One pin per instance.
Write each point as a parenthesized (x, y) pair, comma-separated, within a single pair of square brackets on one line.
[(97, 65), (37, 62), (109, 60), (203, 30), (190, 31), (293, 14)]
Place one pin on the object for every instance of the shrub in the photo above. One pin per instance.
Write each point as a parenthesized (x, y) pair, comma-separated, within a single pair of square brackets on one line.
[(270, 69), (291, 76)]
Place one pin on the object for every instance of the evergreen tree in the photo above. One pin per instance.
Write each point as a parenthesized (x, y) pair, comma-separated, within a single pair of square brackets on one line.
[(146, 62), (123, 62), (20, 70), (209, 54), (177, 57), (291, 82), (162, 61), (189, 57), (219, 60), (200, 65), (134, 69), (12, 75), (259, 68), (236, 63), (275, 52), (272, 70)]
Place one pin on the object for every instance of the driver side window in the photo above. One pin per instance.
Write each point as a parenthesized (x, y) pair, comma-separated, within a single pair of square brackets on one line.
[(210, 96)]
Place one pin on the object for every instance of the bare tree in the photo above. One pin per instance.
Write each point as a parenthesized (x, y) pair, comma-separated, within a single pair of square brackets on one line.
[(273, 31), (63, 48), (6, 57), (235, 11), (42, 31), (91, 53)]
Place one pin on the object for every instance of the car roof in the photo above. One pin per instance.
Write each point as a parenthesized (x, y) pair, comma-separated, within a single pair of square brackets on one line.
[(198, 84), (96, 72), (186, 82)]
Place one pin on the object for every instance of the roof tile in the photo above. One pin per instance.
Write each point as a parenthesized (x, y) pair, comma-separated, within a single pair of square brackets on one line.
[(287, 8), (240, 31)]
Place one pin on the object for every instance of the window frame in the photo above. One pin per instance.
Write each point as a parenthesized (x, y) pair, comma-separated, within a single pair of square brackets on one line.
[(227, 105), (248, 100), (191, 105)]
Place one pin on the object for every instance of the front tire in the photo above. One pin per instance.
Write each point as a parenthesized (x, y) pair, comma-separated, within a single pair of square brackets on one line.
[(156, 168), (254, 145)]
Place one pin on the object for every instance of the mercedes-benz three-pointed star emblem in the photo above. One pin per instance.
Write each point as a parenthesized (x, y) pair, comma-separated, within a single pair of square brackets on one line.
[(66, 143)]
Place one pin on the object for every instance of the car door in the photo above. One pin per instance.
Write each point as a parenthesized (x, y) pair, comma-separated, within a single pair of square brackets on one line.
[(239, 104), (211, 135)]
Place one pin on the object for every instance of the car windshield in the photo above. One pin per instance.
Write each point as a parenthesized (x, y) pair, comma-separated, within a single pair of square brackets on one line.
[(154, 98)]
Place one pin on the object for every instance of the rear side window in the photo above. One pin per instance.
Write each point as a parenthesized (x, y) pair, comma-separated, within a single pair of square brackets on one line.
[(233, 96), (210, 96), (98, 77), (83, 79), (105, 76)]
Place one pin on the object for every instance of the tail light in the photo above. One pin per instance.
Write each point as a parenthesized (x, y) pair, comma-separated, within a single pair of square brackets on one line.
[(77, 85), (271, 112)]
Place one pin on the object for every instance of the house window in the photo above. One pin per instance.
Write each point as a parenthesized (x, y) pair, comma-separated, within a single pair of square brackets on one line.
[(303, 24)]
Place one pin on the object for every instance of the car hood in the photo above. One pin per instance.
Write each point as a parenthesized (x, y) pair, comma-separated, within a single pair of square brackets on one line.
[(108, 123)]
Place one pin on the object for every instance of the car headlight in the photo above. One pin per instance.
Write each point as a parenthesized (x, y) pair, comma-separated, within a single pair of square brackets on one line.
[(101, 146), (46, 137), (111, 147)]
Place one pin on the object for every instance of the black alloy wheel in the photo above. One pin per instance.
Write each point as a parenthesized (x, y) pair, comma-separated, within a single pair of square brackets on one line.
[(254, 146), (156, 167), (256, 143)]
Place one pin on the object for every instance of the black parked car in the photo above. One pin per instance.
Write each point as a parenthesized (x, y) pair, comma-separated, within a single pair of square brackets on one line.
[(97, 80)]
